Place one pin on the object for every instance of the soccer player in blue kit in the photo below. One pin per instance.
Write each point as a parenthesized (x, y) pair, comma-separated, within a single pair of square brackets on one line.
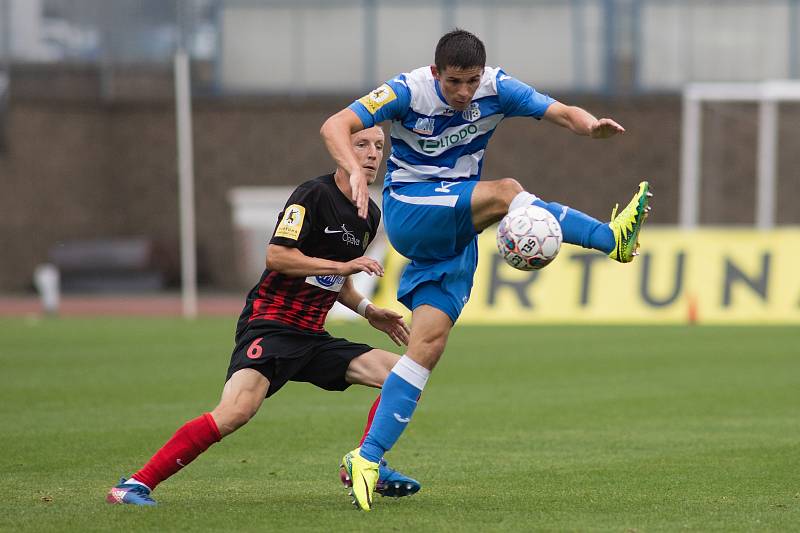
[(435, 205)]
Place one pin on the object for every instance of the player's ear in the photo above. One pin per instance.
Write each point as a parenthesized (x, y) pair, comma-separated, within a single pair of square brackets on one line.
[(435, 71)]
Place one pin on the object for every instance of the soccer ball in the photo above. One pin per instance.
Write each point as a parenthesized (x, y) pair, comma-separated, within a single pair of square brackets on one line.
[(529, 238)]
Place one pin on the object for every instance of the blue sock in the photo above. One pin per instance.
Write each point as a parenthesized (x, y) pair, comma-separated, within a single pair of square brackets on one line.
[(399, 397), (580, 228)]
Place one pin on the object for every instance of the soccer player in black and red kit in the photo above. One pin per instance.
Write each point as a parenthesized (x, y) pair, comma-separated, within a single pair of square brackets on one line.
[(318, 243)]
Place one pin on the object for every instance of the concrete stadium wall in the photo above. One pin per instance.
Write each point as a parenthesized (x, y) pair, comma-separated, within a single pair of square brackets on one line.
[(76, 166)]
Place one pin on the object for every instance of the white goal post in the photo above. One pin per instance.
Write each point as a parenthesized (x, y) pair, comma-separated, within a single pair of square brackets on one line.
[(768, 95), (183, 120)]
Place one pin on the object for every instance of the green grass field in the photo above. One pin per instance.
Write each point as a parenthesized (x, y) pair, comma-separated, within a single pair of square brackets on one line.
[(520, 429)]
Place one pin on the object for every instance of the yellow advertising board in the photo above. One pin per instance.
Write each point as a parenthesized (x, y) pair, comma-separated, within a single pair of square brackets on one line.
[(711, 276)]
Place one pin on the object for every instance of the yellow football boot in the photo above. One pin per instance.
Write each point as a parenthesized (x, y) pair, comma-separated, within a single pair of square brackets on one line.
[(364, 476), (628, 223)]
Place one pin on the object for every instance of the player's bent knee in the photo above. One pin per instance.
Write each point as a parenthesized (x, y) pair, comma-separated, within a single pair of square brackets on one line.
[(230, 417), (511, 186), (372, 368), (508, 189)]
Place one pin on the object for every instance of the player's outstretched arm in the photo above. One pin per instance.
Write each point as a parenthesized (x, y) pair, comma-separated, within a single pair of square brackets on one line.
[(581, 122), (382, 319), (292, 262), (336, 133), (389, 322)]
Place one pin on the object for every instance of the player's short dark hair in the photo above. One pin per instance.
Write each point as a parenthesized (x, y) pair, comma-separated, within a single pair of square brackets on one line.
[(460, 49)]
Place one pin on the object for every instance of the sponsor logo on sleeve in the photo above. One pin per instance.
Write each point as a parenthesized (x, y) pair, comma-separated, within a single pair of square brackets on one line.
[(331, 283), (292, 222), (378, 98)]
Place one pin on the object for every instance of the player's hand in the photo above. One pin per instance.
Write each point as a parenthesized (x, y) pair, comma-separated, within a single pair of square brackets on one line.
[(390, 323), (362, 264), (604, 128), (359, 192)]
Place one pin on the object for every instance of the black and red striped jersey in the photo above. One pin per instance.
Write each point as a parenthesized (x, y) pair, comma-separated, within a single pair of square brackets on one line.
[(320, 221)]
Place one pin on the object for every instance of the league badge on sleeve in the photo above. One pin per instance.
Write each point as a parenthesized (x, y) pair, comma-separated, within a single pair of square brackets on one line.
[(292, 222), (378, 98)]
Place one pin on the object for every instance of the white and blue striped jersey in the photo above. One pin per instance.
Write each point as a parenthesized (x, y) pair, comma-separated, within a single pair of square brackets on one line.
[(431, 141)]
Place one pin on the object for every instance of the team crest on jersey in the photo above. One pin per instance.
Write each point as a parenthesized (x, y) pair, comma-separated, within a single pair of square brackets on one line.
[(292, 222), (378, 98), (424, 126), (472, 113)]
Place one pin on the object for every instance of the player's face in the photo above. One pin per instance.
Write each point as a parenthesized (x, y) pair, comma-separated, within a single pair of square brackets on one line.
[(368, 147), (458, 85)]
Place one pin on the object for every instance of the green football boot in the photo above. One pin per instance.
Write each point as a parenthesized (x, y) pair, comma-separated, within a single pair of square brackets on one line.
[(628, 223), (364, 476)]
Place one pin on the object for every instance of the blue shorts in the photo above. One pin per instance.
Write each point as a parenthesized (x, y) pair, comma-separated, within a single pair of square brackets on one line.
[(430, 223)]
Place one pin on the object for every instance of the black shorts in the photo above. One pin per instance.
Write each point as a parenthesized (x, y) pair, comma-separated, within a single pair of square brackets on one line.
[(283, 353)]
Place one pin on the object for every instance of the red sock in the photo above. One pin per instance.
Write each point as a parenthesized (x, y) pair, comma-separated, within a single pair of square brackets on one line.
[(191, 439), (370, 416)]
